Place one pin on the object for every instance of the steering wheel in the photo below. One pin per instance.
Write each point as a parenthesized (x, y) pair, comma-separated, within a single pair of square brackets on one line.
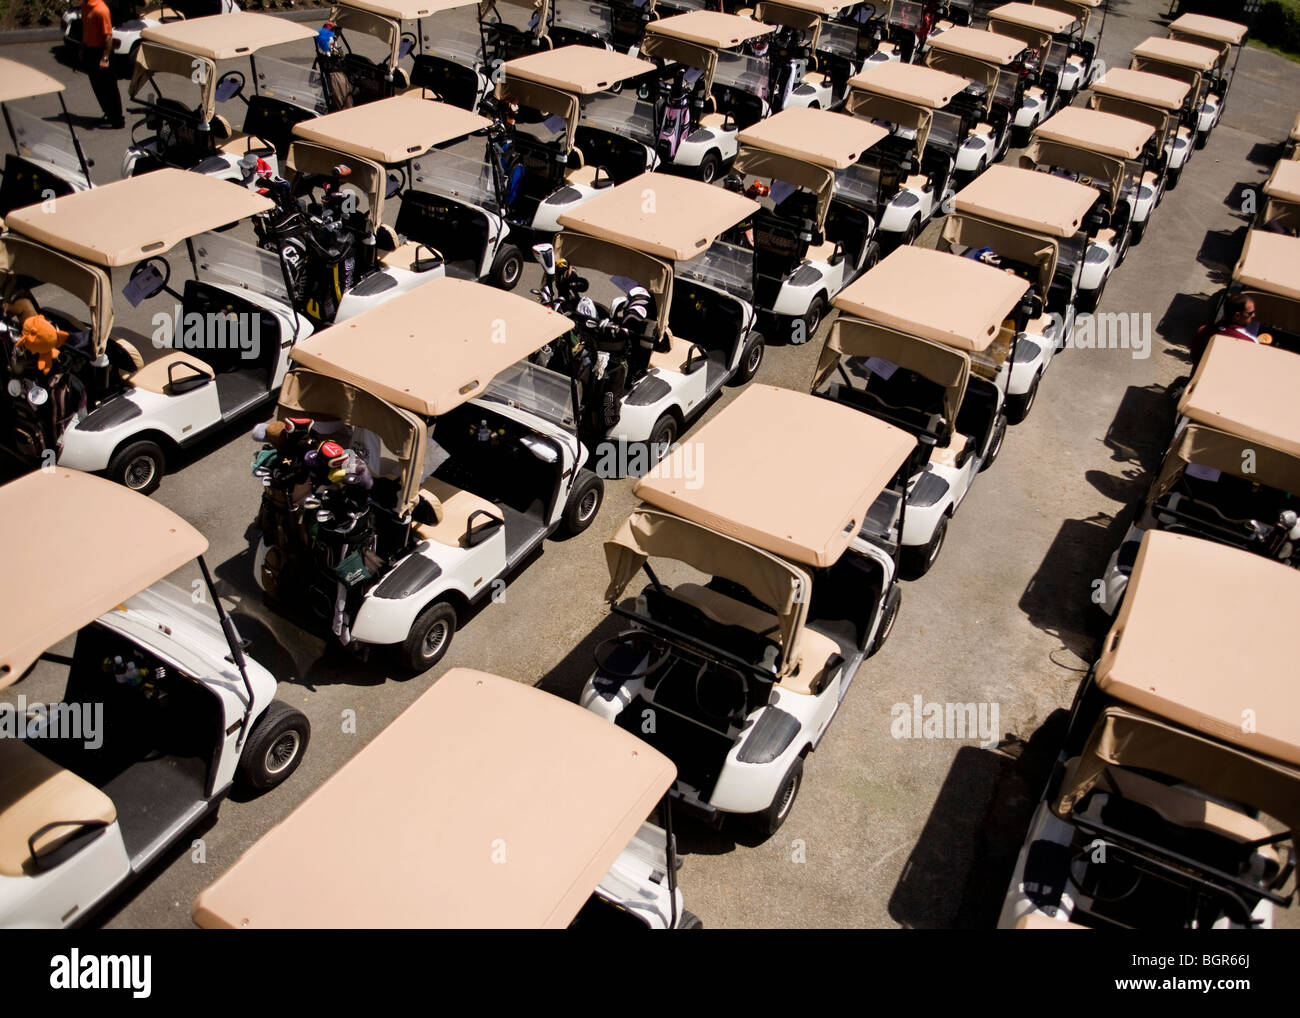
[(395, 182), (223, 85), (656, 652), (165, 271), (406, 44), (721, 693)]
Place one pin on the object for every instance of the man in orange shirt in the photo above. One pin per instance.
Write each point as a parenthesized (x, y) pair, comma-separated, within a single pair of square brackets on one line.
[(96, 59)]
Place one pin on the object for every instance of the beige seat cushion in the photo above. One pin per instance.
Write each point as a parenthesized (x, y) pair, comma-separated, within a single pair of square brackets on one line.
[(815, 78), (714, 120), (35, 791), (1149, 179), (1106, 236), (584, 176), (814, 651), (241, 145), (917, 181), (984, 129), (453, 507), (405, 256), (947, 455), (673, 359), (822, 252), (153, 376)]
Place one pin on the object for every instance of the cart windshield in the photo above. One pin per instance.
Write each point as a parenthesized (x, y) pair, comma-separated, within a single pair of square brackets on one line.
[(536, 389), (906, 15), (459, 170), (220, 258), (459, 45), (48, 142), (1004, 89), (727, 267), (518, 14), (595, 19), (838, 39), (946, 132), (743, 72), (1057, 52), (858, 184), (621, 113), (291, 83)]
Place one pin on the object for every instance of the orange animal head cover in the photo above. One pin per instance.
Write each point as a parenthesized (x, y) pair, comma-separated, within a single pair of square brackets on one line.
[(43, 339)]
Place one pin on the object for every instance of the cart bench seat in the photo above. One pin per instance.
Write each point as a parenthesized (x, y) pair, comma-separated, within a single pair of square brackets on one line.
[(947, 455), (158, 374), (412, 256), (452, 508)]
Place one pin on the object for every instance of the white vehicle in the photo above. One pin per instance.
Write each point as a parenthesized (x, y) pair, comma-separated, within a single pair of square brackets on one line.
[(783, 562), (1066, 62), (1229, 39), (904, 37), (129, 22), (192, 59), (1232, 472), (1035, 225), (821, 187), (1155, 100), (47, 159), (926, 342), (434, 159), (1192, 63), (699, 330), (931, 114), (833, 36), (721, 83), (1105, 151), (1164, 810), (179, 713), (995, 63), (1280, 212), (477, 765), (226, 337), (462, 458)]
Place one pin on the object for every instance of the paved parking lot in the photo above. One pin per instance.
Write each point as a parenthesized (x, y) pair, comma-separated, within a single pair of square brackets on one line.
[(885, 832)]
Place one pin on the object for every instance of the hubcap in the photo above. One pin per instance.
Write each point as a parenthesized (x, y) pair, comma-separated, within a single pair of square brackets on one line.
[(587, 507), (435, 638), (139, 472), (282, 752), (755, 356), (513, 268), (787, 795)]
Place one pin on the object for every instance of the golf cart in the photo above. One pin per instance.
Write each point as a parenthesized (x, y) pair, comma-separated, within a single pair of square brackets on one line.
[(932, 115), (1173, 802), (1229, 37), (179, 712), (773, 592), (929, 347), (1232, 472), (1066, 62), (416, 459), (78, 389), (47, 161), (1190, 63), (1155, 100), (1268, 272), (647, 363), (833, 36), (907, 28), (487, 804), (431, 157), (1105, 151), (994, 62), (718, 80), (1035, 225), (1280, 212), (583, 120), (129, 20), (821, 186), (605, 24), (195, 59)]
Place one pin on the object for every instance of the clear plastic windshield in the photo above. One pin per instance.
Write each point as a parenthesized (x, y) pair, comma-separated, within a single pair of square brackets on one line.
[(221, 258), (1056, 56), (681, 6), (460, 171), (858, 184), (741, 71), (461, 46), (838, 39), (727, 267), (906, 15), (621, 113), (945, 131), (1004, 90), (595, 19), (536, 389), (48, 142), (291, 83), (519, 14)]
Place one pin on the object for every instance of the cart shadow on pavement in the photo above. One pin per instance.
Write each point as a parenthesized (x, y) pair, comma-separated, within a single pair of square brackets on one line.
[(1266, 153), (958, 871), (1219, 252)]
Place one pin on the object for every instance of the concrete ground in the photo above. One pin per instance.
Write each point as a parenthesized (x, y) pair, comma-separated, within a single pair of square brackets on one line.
[(886, 832)]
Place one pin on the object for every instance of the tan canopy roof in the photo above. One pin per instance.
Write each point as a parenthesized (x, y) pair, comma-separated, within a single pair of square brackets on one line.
[(1202, 27), (1250, 460), (583, 70), (776, 582), (821, 137), (1096, 166), (391, 130), (824, 8), (1107, 133), (1284, 181), (1204, 661), (1180, 54), (1294, 134), (765, 165), (365, 175), (381, 27), (813, 507), (910, 83), (1249, 390), (153, 59), (392, 352), (18, 81), (1029, 199), (226, 36), (689, 54), (88, 283), (1269, 261), (951, 300), (661, 215), (1142, 87), (105, 225), (1030, 247), (108, 544), (709, 28), (1045, 19), (487, 804), (971, 42), (407, 10)]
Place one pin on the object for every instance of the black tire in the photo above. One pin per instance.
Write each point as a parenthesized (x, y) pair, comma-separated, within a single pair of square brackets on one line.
[(138, 466), (890, 615), (995, 442), (1201, 138), (1019, 137), (662, 436), (910, 234), (507, 267), (872, 258), (430, 636), (1171, 178), (274, 748), (916, 561), (1085, 302), (1138, 231), (1018, 407), (809, 322), (585, 500), (769, 821), (689, 921), (710, 167), (750, 360)]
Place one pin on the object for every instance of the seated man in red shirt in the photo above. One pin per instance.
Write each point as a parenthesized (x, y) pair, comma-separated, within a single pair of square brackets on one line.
[(96, 57)]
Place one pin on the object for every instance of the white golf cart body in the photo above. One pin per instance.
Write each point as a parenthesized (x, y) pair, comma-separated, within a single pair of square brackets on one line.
[(1237, 426), (1154, 99), (1281, 207), (1157, 750), (1052, 32), (65, 845), (45, 151), (982, 58), (775, 538), (126, 36), (492, 805), (667, 244), (190, 52), (410, 380), (943, 318), (1188, 62), (1227, 37), (177, 397), (831, 38)]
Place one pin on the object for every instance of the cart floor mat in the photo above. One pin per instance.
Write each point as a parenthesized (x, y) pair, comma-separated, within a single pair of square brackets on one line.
[(152, 794)]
